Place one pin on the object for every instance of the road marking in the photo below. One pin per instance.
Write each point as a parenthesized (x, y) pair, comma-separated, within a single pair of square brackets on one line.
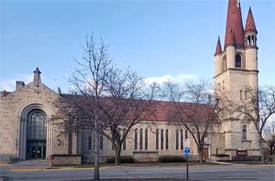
[(49, 169), (269, 165), (4, 164), (25, 169)]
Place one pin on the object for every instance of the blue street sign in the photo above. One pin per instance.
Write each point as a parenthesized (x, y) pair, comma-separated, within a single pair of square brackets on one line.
[(186, 151)]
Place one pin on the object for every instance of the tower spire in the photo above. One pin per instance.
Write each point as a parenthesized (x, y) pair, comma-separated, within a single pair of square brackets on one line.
[(234, 23), (218, 47), (250, 23)]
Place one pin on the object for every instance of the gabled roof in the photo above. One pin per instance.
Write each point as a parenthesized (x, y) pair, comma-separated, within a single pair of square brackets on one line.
[(163, 110)]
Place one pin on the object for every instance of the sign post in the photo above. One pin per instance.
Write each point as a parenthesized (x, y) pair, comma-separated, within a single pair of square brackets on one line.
[(187, 154)]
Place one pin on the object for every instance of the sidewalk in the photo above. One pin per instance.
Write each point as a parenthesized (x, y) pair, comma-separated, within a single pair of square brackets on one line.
[(31, 164)]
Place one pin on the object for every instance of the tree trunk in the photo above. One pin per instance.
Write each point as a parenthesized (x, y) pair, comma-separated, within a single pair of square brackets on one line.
[(262, 152), (201, 156), (96, 153), (262, 155), (200, 151), (117, 155)]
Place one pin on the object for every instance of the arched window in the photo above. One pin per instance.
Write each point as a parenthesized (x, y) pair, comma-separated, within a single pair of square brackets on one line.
[(253, 40), (244, 132), (224, 65), (36, 125), (238, 61), (36, 135), (248, 40)]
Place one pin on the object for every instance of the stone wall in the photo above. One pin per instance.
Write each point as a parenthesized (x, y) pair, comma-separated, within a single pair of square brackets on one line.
[(66, 160), (12, 106)]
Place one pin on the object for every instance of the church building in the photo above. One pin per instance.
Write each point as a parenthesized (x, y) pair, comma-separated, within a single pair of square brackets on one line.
[(28, 132)]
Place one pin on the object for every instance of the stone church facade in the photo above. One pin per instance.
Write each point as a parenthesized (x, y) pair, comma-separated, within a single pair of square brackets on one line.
[(27, 132)]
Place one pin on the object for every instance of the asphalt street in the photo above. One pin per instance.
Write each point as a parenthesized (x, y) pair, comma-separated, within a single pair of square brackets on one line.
[(198, 172)]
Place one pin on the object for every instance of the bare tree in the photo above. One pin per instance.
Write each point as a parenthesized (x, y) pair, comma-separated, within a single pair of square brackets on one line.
[(257, 106), (196, 107), (129, 99), (80, 110), (106, 100), (269, 128)]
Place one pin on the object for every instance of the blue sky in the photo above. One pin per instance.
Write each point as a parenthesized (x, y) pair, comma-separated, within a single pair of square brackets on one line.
[(157, 38)]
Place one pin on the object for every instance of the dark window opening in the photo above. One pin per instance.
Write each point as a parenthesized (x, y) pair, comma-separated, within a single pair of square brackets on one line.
[(167, 140), (181, 139), (248, 40), (136, 139), (238, 61), (244, 132), (177, 139), (161, 139), (146, 139), (157, 139), (141, 139)]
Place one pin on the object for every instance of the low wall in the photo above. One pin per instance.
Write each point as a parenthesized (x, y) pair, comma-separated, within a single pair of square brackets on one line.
[(220, 157), (8, 158), (66, 160)]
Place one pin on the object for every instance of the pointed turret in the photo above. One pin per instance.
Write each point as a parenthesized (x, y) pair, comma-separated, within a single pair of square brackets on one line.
[(250, 23), (234, 23), (218, 47)]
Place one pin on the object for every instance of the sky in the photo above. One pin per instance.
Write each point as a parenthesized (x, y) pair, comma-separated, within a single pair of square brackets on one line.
[(158, 39)]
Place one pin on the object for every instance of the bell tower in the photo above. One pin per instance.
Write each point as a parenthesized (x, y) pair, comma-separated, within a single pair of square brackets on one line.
[(236, 70)]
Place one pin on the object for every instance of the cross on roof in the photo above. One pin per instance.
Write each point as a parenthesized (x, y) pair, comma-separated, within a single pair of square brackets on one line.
[(37, 71)]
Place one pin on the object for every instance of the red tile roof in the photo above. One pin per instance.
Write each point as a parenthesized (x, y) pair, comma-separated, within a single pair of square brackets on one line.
[(231, 38), (166, 111), (163, 110), (234, 23), (250, 23), (218, 47)]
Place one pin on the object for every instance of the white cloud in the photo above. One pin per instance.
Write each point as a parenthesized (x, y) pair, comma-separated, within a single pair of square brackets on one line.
[(180, 78), (9, 85)]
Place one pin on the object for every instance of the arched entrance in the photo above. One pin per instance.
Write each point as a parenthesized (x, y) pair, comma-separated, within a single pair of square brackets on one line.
[(36, 135), (32, 135)]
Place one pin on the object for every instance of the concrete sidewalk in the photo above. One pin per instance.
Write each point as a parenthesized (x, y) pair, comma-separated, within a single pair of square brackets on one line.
[(31, 164)]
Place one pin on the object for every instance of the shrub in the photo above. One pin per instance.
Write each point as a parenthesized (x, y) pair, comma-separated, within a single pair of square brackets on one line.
[(165, 159), (222, 155), (123, 159)]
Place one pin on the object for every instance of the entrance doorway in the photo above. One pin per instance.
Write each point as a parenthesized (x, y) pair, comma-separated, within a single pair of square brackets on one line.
[(36, 135)]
